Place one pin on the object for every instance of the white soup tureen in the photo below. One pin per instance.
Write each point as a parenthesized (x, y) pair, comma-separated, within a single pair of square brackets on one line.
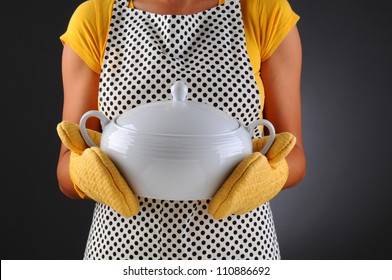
[(175, 149)]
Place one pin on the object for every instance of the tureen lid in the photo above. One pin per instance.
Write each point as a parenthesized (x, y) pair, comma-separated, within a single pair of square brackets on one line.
[(178, 116)]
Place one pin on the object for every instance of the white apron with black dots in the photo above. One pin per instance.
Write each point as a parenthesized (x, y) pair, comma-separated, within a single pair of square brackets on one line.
[(145, 54)]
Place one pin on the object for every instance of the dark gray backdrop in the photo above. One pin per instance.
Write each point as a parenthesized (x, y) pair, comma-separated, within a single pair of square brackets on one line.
[(340, 211)]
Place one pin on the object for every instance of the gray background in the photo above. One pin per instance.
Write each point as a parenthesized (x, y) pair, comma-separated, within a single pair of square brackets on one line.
[(342, 208)]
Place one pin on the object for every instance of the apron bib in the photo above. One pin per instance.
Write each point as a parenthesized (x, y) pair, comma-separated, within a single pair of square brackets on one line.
[(145, 54)]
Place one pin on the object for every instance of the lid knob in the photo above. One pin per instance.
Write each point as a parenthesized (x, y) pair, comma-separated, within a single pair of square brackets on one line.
[(179, 90)]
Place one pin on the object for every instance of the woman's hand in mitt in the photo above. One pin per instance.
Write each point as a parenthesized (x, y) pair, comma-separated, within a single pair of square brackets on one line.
[(93, 174), (256, 180)]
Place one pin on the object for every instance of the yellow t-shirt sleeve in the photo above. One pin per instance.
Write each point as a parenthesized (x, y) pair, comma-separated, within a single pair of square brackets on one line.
[(87, 31), (276, 20)]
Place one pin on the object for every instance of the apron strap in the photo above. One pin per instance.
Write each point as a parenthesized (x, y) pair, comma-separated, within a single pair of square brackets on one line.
[(220, 2), (123, 3)]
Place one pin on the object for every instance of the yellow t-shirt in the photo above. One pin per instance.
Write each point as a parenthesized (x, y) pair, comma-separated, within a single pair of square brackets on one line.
[(266, 24)]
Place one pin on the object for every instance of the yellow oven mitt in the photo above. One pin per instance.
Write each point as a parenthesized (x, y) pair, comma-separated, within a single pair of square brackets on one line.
[(93, 174), (256, 180)]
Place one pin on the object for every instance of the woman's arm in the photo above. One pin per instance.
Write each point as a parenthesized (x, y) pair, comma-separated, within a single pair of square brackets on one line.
[(80, 85), (281, 75)]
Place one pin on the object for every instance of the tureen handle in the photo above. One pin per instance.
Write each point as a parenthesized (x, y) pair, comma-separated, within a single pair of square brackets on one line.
[(271, 130), (82, 124)]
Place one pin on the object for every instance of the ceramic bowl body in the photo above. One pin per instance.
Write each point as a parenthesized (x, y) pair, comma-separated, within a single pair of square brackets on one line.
[(175, 167)]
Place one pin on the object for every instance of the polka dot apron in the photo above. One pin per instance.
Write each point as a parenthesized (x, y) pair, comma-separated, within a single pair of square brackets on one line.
[(145, 54)]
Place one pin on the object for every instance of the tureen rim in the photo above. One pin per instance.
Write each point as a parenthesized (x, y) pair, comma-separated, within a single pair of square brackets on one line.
[(157, 134)]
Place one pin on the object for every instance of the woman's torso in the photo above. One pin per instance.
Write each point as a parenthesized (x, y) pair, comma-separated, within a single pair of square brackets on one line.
[(182, 229)]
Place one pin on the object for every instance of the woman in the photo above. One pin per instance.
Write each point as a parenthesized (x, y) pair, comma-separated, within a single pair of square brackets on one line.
[(120, 54)]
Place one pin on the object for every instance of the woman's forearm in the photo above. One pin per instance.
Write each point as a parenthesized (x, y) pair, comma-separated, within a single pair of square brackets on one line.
[(65, 184), (296, 161)]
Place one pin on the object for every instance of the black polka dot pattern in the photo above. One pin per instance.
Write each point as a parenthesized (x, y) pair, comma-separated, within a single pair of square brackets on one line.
[(145, 54), (181, 230)]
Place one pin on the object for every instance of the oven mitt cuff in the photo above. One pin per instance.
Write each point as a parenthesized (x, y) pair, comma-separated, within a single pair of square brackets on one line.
[(256, 180), (69, 134), (283, 144), (94, 175)]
